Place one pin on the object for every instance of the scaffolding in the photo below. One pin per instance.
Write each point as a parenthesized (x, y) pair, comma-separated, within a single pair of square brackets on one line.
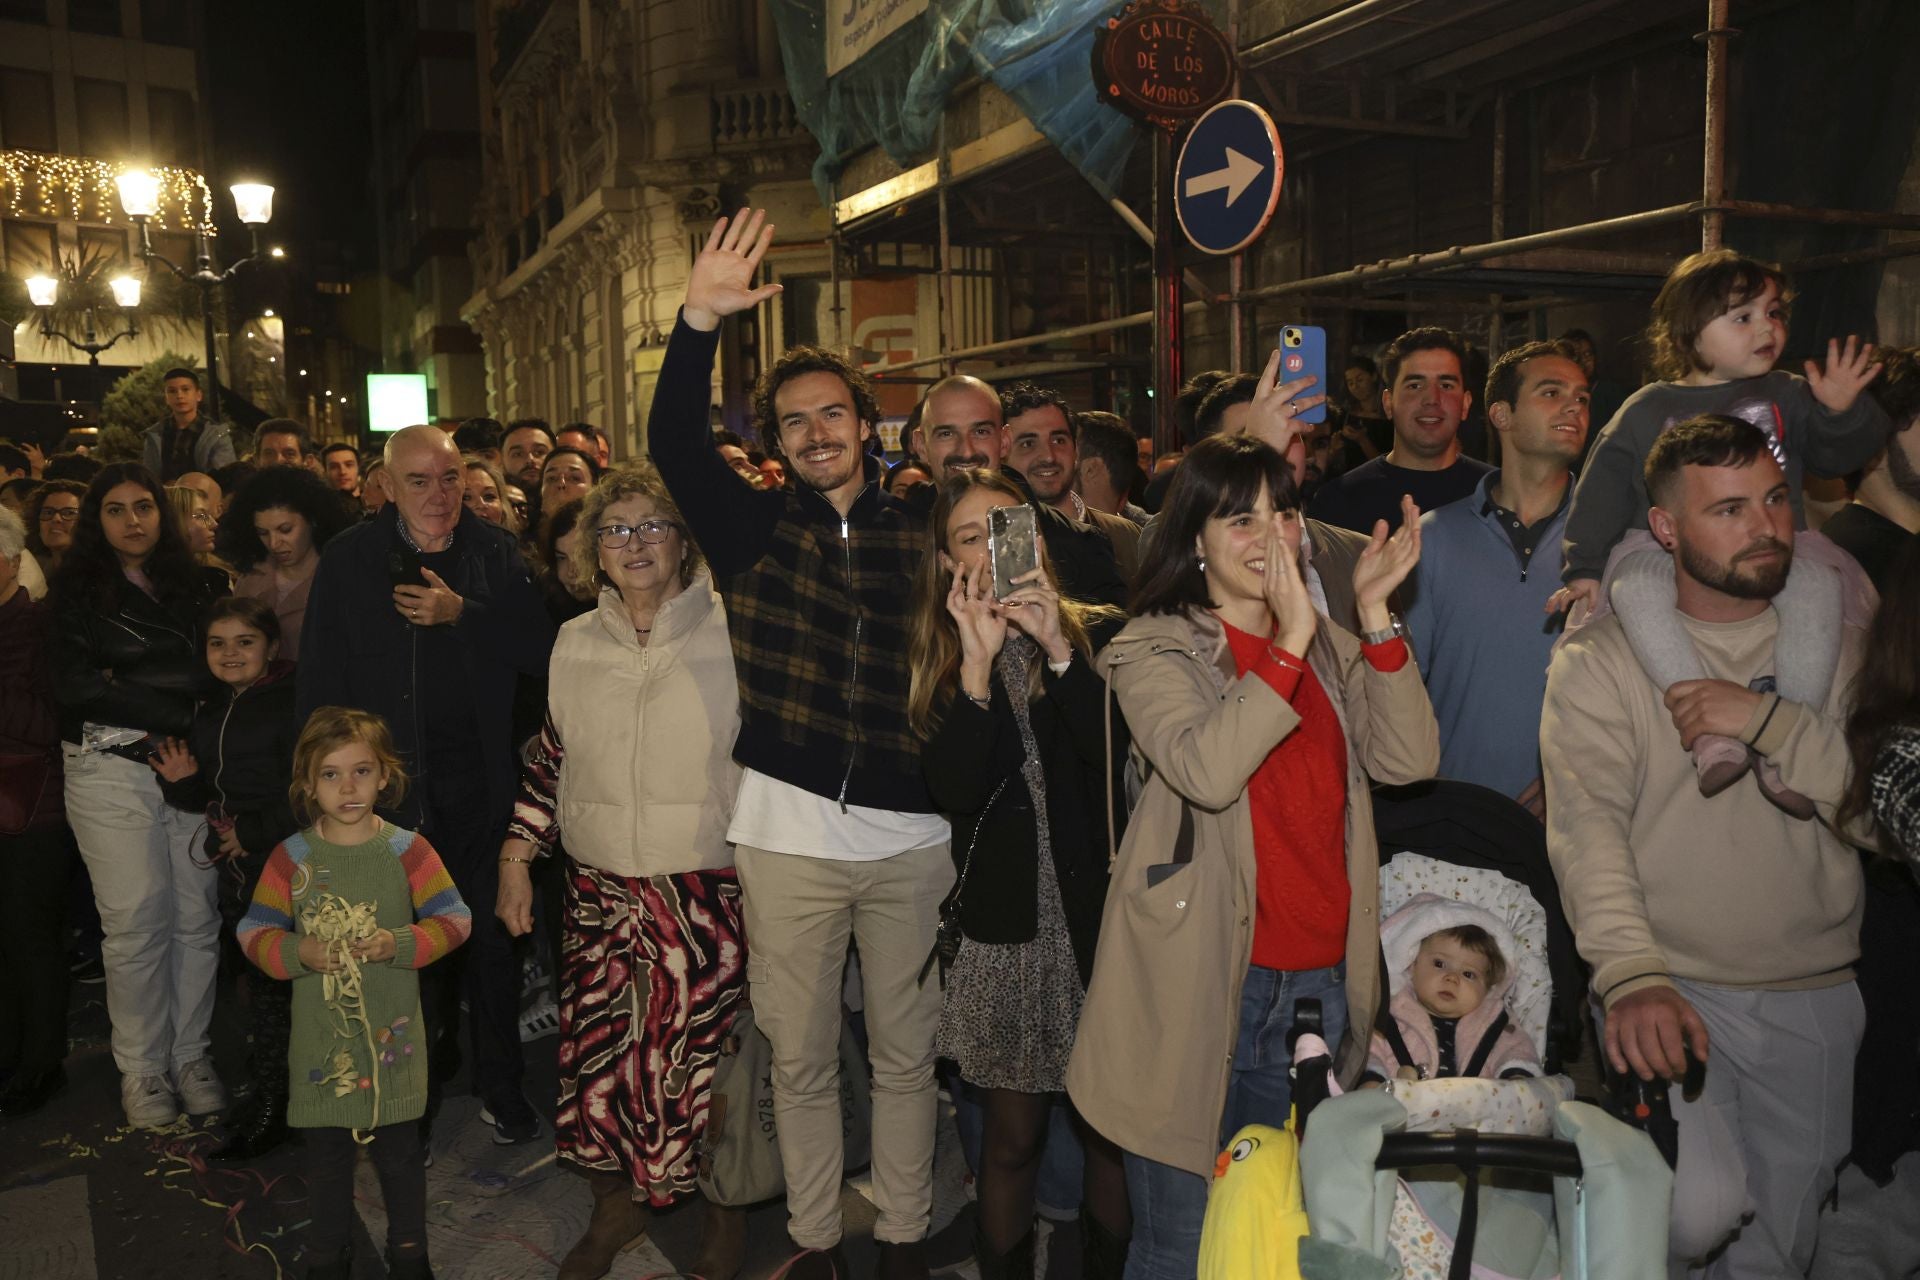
[(1419, 99)]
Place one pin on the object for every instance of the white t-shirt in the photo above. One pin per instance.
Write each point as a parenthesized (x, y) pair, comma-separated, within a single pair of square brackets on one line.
[(782, 818)]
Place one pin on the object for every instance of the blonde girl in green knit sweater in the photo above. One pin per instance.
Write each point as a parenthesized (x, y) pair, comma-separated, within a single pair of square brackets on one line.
[(348, 910)]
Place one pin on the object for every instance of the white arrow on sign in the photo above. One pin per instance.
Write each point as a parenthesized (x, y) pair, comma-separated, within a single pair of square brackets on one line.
[(1238, 175)]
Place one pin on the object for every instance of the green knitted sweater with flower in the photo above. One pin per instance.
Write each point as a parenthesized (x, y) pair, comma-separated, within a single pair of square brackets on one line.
[(358, 1054)]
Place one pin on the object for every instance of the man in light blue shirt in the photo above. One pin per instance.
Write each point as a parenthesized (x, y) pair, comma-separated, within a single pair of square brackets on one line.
[(1488, 563)]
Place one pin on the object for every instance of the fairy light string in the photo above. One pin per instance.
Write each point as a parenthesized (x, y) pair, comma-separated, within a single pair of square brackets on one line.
[(37, 184)]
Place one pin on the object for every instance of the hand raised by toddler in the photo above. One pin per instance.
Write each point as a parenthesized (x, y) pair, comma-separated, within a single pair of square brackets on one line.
[(1847, 374)]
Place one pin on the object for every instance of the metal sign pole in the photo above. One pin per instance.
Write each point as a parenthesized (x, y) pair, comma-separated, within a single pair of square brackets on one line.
[(1167, 311)]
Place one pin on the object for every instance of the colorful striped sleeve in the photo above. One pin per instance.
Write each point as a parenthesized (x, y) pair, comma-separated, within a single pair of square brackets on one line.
[(266, 934), (443, 920)]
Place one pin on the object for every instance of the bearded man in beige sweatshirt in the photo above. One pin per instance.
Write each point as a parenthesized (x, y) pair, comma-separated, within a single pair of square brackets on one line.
[(1725, 924)]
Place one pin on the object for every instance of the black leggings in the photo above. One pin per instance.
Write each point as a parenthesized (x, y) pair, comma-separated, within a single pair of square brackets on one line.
[(1012, 1141), (397, 1158)]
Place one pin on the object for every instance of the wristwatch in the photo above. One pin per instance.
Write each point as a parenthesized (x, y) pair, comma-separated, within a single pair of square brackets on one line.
[(1394, 628)]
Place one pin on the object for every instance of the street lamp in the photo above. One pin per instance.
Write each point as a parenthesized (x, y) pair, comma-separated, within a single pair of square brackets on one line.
[(44, 291), (252, 203)]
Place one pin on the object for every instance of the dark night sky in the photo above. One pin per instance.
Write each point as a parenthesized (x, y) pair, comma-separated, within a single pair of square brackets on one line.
[(289, 100)]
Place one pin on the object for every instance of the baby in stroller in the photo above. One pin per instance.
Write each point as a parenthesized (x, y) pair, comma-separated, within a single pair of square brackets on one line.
[(1482, 1165), (1448, 1014)]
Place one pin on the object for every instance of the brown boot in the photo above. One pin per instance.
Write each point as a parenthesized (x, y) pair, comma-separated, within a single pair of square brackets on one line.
[(723, 1243), (618, 1224)]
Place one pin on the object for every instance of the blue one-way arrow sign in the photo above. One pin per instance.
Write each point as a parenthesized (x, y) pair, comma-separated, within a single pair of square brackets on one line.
[(1227, 181)]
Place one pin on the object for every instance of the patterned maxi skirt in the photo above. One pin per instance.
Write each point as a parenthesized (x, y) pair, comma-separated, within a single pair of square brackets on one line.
[(650, 969)]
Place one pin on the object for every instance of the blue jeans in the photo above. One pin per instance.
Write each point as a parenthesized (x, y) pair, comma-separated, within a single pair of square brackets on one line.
[(1169, 1204)]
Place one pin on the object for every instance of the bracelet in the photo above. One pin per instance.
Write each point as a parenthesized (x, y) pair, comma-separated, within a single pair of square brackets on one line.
[(1379, 637), (1761, 731), (1285, 660), (978, 702), (525, 862)]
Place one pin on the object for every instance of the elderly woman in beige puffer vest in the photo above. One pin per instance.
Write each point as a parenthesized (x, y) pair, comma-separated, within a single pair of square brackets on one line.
[(633, 771)]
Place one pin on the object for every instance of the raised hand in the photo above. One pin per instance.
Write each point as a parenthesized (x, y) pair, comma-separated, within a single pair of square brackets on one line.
[(1035, 609), (983, 630), (1385, 564), (1275, 412), (1847, 373), (1295, 619), (721, 283)]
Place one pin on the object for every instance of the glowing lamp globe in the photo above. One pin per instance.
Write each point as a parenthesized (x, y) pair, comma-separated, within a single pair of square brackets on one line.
[(253, 203), (139, 193), (126, 292)]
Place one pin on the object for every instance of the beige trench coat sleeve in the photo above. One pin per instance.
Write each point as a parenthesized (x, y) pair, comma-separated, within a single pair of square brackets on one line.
[(1395, 737), (1206, 752)]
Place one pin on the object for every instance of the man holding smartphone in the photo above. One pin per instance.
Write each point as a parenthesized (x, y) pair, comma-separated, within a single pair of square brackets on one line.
[(836, 836)]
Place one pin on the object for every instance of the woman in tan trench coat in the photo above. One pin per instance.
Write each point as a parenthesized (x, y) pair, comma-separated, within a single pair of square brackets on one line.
[(1249, 876)]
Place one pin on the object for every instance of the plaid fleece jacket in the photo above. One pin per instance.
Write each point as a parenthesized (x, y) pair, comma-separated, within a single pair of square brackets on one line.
[(816, 605)]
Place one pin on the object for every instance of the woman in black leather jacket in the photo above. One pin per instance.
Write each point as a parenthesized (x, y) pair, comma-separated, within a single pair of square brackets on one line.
[(126, 656)]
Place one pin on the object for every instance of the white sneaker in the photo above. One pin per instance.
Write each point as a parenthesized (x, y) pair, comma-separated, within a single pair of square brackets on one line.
[(201, 1092), (148, 1101)]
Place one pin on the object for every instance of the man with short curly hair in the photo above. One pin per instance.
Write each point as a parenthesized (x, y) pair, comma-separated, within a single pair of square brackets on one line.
[(836, 836)]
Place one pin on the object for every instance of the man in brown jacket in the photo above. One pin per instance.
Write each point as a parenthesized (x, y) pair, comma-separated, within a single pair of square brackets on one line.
[(1724, 924)]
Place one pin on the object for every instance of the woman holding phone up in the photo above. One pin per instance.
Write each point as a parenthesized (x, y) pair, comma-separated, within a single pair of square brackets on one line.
[(1005, 696), (1248, 878)]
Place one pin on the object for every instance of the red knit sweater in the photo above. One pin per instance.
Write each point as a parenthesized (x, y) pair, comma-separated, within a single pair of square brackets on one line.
[(1299, 800)]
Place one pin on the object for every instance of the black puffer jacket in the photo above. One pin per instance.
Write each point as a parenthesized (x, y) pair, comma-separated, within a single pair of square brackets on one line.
[(136, 664), (244, 745)]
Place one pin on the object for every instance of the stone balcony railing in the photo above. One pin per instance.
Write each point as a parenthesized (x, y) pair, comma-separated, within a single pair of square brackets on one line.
[(754, 115)]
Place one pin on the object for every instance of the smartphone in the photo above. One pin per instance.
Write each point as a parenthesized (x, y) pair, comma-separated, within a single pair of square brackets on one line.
[(1013, 547), (1303, 354), (403, 567)]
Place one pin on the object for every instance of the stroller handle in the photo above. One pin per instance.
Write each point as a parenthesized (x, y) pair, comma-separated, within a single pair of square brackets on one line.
[(1470, 1149)]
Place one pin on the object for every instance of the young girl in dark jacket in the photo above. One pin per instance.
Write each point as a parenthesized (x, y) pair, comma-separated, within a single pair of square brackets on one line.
[(233, 768), (1005, 695)]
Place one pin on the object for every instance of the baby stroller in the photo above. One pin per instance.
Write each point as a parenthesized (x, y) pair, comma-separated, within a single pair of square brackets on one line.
[(1392, 1177)]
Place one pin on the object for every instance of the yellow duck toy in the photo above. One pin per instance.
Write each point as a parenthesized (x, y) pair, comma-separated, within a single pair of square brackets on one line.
[(1255, 1213)]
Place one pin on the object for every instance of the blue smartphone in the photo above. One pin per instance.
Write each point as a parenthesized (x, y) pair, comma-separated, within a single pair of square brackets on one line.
[(1303, 354)]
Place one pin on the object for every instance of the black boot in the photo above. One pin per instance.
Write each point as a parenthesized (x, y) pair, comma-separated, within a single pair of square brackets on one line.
[(259, 1124), (1015, 1264), (1103, 1255), (338, 1267), (411, 1268)]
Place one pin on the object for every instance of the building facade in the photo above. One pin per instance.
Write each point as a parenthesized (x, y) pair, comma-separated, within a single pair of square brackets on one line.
[(614, 132), (425, 184), (86, 87)]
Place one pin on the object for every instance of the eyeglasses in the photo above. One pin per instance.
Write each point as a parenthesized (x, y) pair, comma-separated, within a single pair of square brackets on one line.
[(652, 532), (50, 514), (201, 517)]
